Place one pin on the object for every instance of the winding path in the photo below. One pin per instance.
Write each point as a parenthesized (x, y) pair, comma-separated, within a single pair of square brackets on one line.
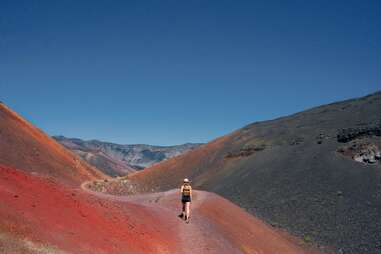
[(196, 237), (216, 226)]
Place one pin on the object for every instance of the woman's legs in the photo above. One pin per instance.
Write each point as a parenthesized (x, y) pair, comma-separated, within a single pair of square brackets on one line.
[(187, 210), (184, 208)]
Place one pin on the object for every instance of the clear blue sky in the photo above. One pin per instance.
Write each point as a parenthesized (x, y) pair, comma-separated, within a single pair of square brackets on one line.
[(169, 72)]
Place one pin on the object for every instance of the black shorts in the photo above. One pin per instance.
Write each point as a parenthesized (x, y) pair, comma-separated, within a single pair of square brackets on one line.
[(185, 199)]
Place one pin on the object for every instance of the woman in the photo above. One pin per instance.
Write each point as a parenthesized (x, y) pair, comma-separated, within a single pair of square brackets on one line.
[(186, 198)]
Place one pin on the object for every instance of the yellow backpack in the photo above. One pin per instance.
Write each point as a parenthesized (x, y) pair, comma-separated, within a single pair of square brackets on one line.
[(186, 190)]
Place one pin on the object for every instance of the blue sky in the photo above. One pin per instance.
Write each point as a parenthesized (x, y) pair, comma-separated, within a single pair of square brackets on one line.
[(170, 72)]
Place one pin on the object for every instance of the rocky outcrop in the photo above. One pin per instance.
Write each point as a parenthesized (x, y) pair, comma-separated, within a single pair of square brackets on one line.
[(245, 152), (362, 152), (349, 134)]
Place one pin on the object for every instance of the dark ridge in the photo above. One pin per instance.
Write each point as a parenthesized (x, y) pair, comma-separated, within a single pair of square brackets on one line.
[(349, 134)]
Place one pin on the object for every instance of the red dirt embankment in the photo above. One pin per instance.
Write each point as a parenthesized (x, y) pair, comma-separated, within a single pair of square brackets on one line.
[(26, 147), (38, 210)]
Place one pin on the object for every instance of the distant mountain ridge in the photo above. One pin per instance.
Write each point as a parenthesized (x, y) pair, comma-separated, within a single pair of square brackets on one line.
[(116, 159)]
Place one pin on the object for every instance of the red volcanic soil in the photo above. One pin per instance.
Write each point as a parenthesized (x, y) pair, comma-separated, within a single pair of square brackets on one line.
[(26, 147), (68, 219), (38, 213)]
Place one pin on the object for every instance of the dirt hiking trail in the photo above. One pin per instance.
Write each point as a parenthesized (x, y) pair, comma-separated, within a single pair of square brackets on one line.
[(216, 225)]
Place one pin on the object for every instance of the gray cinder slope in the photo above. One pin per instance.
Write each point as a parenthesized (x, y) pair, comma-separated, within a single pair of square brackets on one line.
[(292, 173)]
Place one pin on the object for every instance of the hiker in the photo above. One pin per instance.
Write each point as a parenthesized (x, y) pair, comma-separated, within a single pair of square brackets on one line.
[(186, 197)]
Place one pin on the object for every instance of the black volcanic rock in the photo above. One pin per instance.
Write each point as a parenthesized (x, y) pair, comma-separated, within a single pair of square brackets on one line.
[(349, 134)]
